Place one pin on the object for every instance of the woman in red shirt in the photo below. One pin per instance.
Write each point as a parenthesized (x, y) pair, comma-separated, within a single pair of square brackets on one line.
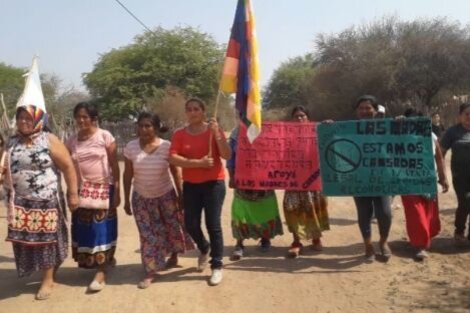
[(198, 149)]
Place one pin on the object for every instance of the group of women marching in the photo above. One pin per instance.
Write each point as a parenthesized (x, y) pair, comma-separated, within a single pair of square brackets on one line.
[(168, 185)]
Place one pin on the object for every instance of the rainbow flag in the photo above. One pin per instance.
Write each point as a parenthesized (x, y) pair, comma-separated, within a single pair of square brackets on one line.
[(241, 69)]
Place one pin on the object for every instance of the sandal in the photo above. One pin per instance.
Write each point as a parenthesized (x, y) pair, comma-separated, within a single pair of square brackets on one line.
[(370, 253), (237, 253), (317, 245), (43, 294), (294, 250), (385, 250), (145, 283), (172, 262), (96, 286)]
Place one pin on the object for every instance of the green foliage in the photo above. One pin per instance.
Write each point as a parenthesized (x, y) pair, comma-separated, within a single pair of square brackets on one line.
[(124, 80), (415, 63), (11, 85), (286, 87)]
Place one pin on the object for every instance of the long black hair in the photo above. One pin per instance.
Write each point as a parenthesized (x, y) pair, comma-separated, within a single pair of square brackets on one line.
[(154, 119)]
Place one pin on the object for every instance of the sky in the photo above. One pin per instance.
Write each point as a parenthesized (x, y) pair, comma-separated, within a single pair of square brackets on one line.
[(70, 35)]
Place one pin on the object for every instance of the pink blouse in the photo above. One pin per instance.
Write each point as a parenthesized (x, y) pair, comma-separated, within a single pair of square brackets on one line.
[(90, 157)]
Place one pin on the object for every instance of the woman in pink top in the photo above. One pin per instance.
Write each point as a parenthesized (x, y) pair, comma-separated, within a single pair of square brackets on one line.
[(154, 200), (94, 230)]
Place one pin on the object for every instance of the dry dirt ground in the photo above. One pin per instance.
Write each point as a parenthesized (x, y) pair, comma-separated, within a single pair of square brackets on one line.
[(335, 280)]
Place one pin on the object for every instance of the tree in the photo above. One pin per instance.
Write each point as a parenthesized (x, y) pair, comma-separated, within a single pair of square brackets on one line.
[(124, 80), (400, 62), (286, 87), (59, 102), (419, 63), (11, 85)]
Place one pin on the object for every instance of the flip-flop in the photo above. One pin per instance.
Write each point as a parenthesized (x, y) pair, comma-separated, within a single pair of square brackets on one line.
[(317, 245), (96, 286), (171, 263), (43, 295), (294, 251), (370, 254), (145, 283), (386, 252)]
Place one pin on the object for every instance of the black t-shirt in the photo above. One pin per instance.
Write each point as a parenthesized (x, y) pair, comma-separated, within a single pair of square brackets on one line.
[(457, 138)]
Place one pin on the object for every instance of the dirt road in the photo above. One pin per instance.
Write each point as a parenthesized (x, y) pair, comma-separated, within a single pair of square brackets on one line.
[(335, 280)]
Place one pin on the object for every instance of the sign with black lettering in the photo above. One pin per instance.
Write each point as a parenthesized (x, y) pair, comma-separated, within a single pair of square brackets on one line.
[(377, 157), (283, 156)]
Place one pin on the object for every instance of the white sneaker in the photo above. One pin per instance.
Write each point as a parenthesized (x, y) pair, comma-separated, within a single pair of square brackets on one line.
[(216, 277), (202, 261)]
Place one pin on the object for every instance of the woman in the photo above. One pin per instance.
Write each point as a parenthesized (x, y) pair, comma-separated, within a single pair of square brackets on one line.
[(36, 221), (198, 149), (94, 228), (437, 128), (422, 211), (457, 138), (305, 211), (154, 200), (255, 213), (366, 108)]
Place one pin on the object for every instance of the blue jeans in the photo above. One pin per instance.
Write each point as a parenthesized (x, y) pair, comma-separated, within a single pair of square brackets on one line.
[(210, 197), (366, 207)]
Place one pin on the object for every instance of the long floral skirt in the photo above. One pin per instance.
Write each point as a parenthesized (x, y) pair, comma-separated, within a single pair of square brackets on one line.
[(160, 223), (255, 216), (306, 213)]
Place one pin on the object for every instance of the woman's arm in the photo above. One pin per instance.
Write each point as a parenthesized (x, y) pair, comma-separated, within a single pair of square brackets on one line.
[(222, 144), (178, 160), (111, 150), (176, 174), (61, 157), (127, 181), (177, 178), (441, 172)]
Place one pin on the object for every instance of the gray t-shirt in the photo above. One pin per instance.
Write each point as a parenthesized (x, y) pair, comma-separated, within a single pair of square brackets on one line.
[(457, 138)]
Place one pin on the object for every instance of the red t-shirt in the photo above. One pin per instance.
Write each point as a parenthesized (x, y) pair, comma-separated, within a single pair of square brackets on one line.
[(197, 147)]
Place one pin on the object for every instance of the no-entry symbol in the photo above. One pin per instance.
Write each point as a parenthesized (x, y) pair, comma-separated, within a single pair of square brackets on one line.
[(343, 155)]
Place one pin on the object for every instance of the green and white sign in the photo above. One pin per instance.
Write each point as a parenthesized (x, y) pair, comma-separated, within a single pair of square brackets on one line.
[(377, 157)]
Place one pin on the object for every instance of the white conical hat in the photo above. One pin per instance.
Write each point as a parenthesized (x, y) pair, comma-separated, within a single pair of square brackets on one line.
[(32, 93)]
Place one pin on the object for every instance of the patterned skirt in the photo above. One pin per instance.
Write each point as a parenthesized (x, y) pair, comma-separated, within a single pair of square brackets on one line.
[(94, 236), (31, 257), (160, 223), (306, 213), (255, 215)]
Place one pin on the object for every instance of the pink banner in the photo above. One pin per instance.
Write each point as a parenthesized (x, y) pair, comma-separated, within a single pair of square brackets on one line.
[(284, 156)]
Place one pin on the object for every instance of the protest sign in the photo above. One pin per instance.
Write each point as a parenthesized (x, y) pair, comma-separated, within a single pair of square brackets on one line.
[(283, 156), (377, 157)]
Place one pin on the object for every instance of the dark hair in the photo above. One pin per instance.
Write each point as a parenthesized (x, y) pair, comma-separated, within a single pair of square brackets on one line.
[(90, 109), (371, 99), (463, 107), (45, 126), (19, 110), (434, 114), (154, 119), (201, 103), (410, 112), (299, 108)]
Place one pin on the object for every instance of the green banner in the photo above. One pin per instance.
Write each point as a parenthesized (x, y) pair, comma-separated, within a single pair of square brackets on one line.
[(377, 157)]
